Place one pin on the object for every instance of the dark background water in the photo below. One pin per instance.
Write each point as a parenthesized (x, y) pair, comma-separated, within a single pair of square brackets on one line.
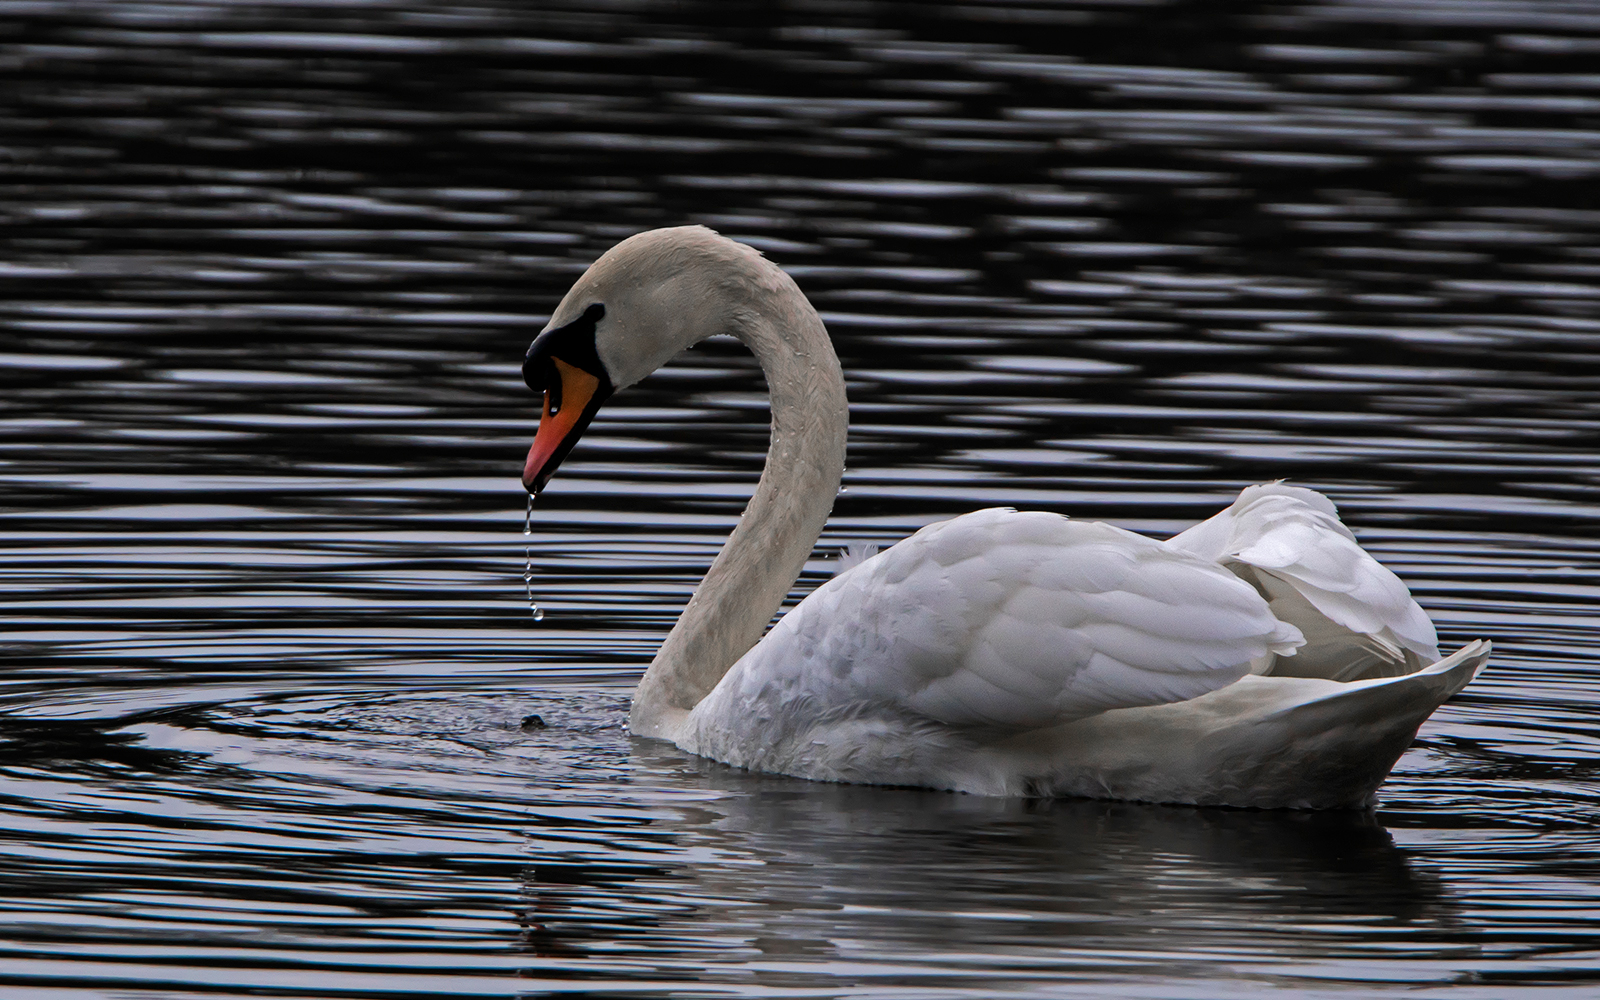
[(267, 274)]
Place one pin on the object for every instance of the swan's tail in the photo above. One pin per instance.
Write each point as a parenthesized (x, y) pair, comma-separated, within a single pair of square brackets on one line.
[(1423, 690), (1299, 742), (1341, 742)]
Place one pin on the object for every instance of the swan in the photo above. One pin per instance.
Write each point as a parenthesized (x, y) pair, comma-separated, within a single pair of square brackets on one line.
[(1260, 659)]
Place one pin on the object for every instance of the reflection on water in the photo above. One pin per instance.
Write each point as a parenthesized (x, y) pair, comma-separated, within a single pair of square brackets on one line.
[(999, 894), (268, 273)]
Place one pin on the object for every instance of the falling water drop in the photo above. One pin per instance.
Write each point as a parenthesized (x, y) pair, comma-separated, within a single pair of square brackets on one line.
[(527, 579), (527, 564)]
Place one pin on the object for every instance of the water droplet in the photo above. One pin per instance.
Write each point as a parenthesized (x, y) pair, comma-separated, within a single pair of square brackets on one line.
[(527, 522), (527, 581), (843, 490)]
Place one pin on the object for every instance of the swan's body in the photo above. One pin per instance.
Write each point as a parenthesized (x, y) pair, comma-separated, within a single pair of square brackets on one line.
[(1260, 658)]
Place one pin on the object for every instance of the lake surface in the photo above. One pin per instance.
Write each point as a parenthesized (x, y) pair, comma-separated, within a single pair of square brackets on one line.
[(268, 274)]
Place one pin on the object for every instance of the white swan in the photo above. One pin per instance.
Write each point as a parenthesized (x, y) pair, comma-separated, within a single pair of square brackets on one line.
[(1260, 658)]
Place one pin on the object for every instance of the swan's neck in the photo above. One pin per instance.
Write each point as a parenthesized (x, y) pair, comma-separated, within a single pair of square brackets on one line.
[(762, 558)]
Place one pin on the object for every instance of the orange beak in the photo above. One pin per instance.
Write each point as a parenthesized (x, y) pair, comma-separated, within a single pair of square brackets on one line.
[(560, 430)]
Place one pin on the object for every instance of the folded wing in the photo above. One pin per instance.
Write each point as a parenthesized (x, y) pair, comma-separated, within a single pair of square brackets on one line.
[(1015, 621)]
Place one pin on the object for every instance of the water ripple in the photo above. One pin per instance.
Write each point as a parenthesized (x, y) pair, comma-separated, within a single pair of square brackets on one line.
[(269, 273)]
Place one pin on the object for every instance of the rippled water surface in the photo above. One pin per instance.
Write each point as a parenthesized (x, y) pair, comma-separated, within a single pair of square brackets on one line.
[(268, 273)]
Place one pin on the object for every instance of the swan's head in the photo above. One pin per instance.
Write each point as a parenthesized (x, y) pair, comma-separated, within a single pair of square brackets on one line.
[(645, 300)]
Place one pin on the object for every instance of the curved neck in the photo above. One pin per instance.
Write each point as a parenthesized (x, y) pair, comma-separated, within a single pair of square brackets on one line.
[(750, 577)]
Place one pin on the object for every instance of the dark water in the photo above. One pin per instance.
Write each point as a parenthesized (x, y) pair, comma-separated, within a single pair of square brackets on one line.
[(268, 272)]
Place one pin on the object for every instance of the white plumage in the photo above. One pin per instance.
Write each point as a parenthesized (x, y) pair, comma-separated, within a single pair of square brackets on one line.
[(1357, 617), (1260, 658), (989, 653), (1010, 620)]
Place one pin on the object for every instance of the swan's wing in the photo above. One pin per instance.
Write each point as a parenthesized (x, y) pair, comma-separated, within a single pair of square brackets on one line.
[(1288, 542), (1009, 620)]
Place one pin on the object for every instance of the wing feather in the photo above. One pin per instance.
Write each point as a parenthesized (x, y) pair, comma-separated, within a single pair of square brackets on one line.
[(1015, 620), (1288, 542)]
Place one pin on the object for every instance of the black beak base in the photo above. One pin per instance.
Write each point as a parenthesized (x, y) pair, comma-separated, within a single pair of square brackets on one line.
[(572, 343)]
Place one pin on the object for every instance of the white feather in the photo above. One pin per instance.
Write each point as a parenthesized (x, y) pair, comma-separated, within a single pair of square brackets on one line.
[(1358, 617), (997, 620), (853, 555)]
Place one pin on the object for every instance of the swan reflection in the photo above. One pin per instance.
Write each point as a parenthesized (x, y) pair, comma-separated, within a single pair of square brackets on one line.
[(783, 870)]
